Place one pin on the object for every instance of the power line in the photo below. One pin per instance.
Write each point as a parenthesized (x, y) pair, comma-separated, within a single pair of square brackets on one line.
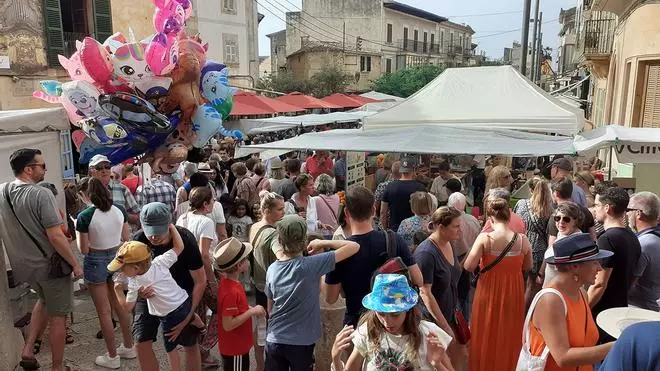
[(310, 26), (510, 31), (307, 33), (285, 21)]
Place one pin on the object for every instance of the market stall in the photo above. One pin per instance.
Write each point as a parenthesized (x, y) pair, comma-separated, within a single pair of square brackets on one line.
[(630, 145)]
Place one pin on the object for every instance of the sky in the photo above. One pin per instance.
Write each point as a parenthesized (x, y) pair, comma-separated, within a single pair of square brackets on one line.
[(491, 29)]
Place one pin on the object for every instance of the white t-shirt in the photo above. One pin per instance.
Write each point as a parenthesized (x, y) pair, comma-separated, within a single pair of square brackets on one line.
[(168, 296), (392, 354), (217, 215), (103, 228), (240, 227), (312, 220), (201, 226)]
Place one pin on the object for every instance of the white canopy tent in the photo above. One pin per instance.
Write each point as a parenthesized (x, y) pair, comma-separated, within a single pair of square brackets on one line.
[(382, 97), (482, 97), (428, 139), (253, 126), (631, 145)]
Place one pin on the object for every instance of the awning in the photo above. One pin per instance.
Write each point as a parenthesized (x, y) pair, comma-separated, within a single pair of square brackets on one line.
[(279, 123), (306, 101), (342, 100), (240, 108), (363, 100), (34, 120), (382, 97), (429, 139), (631, 145), (265, 103)]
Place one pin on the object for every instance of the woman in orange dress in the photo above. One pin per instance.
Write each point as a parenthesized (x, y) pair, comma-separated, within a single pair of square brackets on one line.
[(565, 323), (498, 311)]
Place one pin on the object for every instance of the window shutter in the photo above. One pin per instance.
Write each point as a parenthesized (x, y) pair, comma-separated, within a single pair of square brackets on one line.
[(54, 31), (102, 20), (651, 117)]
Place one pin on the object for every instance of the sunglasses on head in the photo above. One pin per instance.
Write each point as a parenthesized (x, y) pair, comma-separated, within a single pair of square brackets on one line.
[(102, 167), (566, 219)]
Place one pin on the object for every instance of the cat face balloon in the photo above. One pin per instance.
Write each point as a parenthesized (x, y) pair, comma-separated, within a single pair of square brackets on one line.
[(74, 66), (130, 62)]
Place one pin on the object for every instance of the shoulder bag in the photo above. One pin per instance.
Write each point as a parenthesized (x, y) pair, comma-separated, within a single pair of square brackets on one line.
[(254, 245), (394, 264), (57, 267), (492, 265), (527, 361)]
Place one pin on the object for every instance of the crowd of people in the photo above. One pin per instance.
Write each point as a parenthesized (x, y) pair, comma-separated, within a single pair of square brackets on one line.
[(427, 285)]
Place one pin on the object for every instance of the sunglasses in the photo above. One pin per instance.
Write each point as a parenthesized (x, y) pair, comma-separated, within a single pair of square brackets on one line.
[(102, 167), (629, 210), (42, 166), (565, 219)]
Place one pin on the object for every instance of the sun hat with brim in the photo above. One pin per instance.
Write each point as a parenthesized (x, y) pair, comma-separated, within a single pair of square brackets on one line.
[(230, 252), (155, 218), (390, 294), (204, 167), (129, 253), (615, 320), (576, 248)]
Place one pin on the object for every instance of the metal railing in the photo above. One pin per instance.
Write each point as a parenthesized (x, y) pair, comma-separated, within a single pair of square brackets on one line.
[(598, 36), (407, 45)]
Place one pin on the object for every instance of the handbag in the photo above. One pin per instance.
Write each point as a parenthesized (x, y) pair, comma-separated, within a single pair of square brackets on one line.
[(461, 327), (57, 266), (492, 265), (527, 361)]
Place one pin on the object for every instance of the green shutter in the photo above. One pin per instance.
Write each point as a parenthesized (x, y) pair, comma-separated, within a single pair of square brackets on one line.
[(102, 20), (54, 31)]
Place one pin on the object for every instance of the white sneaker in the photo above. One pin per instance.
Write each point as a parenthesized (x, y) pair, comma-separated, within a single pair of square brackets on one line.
[(108, 362), (126, 353)]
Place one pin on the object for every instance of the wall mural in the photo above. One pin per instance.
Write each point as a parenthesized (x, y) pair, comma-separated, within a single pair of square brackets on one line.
[(22, 35)]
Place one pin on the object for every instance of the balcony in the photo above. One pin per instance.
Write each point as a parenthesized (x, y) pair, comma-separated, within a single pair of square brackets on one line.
[(617, 7), (597, 38), (408, 45)]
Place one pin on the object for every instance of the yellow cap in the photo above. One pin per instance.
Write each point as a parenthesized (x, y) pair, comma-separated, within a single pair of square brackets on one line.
[(130, 252)]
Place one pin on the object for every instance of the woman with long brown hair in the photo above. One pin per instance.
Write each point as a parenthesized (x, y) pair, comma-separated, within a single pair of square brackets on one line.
[(499, 177), (498, 310), (535, 212)]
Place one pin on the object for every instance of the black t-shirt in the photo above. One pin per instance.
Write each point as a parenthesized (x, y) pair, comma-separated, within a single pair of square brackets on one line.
[(442, 275), (397, 195), (625, 246), (226, 166), (288, 189), (189, 260), (587, 222), (354, 274)]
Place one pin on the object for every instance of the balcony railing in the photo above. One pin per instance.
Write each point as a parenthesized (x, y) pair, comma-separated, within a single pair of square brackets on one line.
[(421, 47), (597, 37)]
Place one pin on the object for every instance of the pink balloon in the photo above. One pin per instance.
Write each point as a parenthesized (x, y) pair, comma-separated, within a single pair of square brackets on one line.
[(169, 17), (98, 63), (162, 53), (74, 66)]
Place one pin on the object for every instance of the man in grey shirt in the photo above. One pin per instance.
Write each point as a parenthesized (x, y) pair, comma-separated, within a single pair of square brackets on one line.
[(643, 212), (30, 227)]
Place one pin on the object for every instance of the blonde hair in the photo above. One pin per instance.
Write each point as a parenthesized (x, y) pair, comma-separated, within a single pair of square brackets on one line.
[(421, 203), (498, 177), (540, 201), (269, 199)]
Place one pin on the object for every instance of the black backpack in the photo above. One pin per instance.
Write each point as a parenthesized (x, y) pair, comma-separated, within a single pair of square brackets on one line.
[(394, 264)]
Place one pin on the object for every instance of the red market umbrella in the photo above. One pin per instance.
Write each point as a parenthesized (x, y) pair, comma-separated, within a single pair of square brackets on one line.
[(240, 108), (362, 99), (342, 100), (306, 101), (265, 103)]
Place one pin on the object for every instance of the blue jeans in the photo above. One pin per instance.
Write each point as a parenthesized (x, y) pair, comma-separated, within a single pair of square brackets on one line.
[(95, 266)]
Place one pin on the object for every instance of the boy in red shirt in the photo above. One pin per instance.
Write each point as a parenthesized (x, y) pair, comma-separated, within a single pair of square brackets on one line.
[(235, 337)]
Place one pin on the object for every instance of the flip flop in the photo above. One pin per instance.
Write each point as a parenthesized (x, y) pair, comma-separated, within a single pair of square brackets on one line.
[(37, 347), (29, 364)]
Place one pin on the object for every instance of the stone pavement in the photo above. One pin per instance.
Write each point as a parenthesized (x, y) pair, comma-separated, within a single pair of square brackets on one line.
[(83, 351)]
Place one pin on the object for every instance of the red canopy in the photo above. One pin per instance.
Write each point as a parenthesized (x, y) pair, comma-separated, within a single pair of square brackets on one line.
[(243, 109), (306, 101), (343, 100), (268, 104), (362, 99)]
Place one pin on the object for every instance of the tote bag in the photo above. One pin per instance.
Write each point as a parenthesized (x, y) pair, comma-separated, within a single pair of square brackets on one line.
[(527, 361)]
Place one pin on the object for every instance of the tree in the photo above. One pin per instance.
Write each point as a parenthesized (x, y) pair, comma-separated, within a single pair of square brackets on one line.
[(405, 82), (284, 82), (329, 80)]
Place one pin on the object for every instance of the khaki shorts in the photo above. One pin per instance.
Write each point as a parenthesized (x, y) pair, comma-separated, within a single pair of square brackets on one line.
[(56, 294)]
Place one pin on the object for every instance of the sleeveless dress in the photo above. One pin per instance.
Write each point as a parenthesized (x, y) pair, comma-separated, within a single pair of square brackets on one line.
[(498, 315), (582, 332)]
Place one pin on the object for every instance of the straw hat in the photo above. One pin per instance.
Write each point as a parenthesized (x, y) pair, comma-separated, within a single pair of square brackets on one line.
[(615, 320), (230, 252)]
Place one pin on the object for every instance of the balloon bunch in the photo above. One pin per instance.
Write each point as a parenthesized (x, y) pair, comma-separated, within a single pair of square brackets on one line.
[(159, 96)]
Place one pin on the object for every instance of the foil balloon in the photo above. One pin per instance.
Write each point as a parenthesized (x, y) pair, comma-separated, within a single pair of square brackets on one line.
[(134, 113), (215, 85), (82, 96), (50, 92), (169, 17), (155, 91), (206, 123), (130, 63), (98, 63), (184, 92), (162, 53), (104, 130), (193, 44), (114, 42), (74, 66), (225, 108)]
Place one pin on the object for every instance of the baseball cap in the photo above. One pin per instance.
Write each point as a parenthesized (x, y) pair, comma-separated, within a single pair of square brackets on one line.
[(408, 164), (155, 218), (97, 159), (563, 163), (292, 230), (130, 252)]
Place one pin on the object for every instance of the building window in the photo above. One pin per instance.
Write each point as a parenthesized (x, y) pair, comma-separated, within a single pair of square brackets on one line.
[(424, 47), (442, 39), (388, 66), (365, 63), (451, 39), (230, 47), (651, 100), (415, 40), (229, 6), (432, 42), (389, 32), (281, 50), (405, 38)]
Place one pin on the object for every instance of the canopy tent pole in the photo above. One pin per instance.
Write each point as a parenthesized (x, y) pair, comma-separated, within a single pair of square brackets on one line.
[(609, 170)]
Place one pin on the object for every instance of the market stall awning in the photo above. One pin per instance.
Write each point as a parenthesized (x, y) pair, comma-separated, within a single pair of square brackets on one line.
[(306, 101), (279, 123), (240, 108), (631, 145), (382, 97), (34, 120), (482, 97), (265, 103), (363, 100), (342, 100), (430, 139)]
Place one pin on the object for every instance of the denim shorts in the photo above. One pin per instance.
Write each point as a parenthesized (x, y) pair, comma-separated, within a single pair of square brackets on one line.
[(95, 266), (145, 325)]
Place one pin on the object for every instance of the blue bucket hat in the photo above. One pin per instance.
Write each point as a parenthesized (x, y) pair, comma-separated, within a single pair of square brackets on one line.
[(390, 294)]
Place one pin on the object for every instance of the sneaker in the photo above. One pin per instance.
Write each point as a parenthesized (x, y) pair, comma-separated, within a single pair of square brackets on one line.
[(108, 362), (126, 353)]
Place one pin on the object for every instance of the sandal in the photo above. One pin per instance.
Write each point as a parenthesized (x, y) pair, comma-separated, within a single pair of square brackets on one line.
[(69, 337), (36, 348), (29, 364)]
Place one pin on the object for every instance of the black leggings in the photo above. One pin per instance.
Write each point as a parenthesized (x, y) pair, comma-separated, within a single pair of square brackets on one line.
[(236, 363)]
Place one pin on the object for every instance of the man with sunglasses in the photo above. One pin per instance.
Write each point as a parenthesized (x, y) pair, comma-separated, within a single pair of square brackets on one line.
[(30, 227), (99, 168), (562, 191)]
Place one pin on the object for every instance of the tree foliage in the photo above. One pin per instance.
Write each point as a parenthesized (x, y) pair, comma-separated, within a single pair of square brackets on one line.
[(405, 82), (329, 80)]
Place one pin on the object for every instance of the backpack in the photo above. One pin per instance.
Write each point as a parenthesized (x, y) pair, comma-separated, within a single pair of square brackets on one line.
[(394, 264)]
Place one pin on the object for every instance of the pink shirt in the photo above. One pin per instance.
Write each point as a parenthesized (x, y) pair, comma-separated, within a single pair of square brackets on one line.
[(326, 211), (264, 184), (515, 223)]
